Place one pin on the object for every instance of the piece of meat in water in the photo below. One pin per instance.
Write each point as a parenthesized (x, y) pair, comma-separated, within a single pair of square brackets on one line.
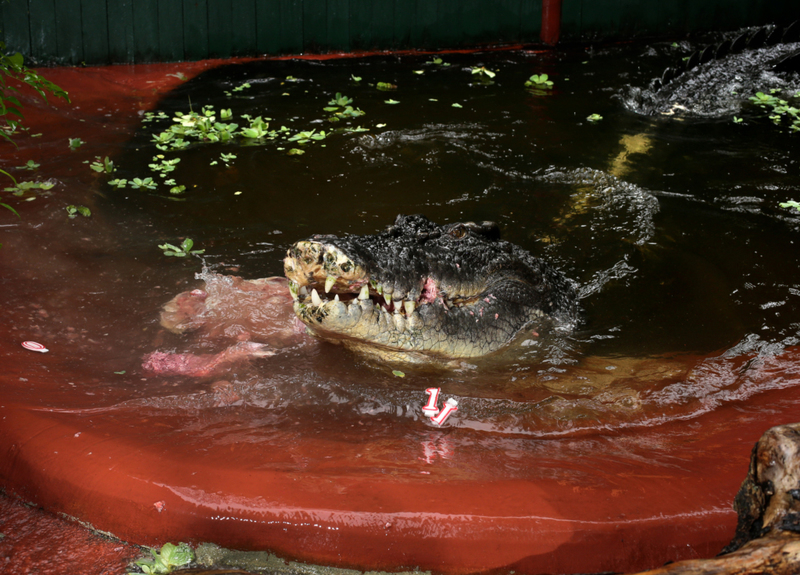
[(198, 365)]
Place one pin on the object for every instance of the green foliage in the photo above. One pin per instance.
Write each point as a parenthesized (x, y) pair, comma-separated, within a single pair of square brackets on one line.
[(390, 101), (239, 88), (139, 183), (184, 250), (779, 109), (594, 117), (162, 166), (483, 72), (355, 78), (341, 108), (73, 211), (258, 129), (166, 560), (305, 137), (19, 188), (539, 81), (13, 71), (386, 86), (791, 204), (101, 165), (75, 143), (30, 165), (437, 62)]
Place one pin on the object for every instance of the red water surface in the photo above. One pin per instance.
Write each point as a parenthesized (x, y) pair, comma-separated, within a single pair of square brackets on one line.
[(368, 492)]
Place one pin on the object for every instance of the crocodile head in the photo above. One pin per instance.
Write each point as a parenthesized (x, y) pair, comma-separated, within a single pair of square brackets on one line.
[(423, 292)]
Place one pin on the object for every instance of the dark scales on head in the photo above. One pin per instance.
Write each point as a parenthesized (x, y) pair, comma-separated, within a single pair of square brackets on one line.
[(422, 292)]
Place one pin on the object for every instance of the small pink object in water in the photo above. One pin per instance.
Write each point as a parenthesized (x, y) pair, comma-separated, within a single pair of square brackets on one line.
[(34, 346), (159, 505), (430, 409), (450, 406)]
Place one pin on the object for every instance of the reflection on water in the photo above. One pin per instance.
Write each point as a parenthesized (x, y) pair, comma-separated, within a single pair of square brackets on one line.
[(685, 264)]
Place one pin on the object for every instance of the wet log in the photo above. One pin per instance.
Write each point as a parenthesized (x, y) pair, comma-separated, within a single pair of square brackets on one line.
[(767, 538)]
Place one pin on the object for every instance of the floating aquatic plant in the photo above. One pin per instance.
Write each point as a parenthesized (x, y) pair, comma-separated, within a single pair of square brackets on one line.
[(101, 165), (185, 249), (779, 109), (483, 72), (790, 204), (147, 183), (539, 81), (74, 211)]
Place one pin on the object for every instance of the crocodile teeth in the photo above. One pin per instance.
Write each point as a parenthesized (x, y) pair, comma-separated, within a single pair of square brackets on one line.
[(409, 306), (336, 297), (315, 299), (329, 281), (364, 293), (388, 297), (303, 290)]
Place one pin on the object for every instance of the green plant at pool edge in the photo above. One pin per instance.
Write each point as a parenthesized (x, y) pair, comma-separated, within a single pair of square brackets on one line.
[(185, 249), (167, 559)]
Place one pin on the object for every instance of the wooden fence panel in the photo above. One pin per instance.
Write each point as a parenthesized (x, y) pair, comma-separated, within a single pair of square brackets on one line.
[(69, 32), (170, 31), (42, 29), (145, 31), (195, 29), (121, 39), (105, 31)]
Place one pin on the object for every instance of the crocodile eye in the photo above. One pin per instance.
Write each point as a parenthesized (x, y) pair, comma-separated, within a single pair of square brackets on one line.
[(458, 231), (345, 267)]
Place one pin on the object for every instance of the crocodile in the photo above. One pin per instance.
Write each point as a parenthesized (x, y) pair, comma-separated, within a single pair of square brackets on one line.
[(422, 292)]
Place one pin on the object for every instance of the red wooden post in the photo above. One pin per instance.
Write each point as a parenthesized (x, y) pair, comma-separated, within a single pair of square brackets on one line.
[(551, 22)]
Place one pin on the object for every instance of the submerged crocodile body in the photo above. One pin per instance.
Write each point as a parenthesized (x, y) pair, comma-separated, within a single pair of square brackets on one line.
[(422, 292), (717, 80)]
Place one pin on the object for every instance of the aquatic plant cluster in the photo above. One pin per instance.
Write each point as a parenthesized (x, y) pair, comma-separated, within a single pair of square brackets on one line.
[(779, 109), (210, 125)]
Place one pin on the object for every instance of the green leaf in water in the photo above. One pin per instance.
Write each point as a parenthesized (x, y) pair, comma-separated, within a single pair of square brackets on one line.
[(398, 373)]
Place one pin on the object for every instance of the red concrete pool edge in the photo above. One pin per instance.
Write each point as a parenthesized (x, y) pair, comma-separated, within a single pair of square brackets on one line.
[(150, 492), (35, 541)]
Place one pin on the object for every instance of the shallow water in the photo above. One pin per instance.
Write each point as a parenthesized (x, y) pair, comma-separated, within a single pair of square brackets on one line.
[(670, 227)]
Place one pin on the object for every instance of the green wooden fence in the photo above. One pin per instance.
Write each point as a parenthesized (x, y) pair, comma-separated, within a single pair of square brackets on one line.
[(128, 31)]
